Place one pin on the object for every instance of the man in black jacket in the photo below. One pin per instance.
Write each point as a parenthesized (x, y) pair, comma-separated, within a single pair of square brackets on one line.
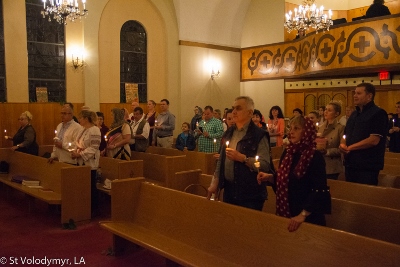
[(236, 171)]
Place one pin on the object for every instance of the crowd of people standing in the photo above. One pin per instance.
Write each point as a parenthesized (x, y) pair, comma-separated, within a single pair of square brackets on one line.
[(242, 139)]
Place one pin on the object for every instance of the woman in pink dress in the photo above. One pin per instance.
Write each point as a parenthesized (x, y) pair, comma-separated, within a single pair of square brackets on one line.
[(276, 126)]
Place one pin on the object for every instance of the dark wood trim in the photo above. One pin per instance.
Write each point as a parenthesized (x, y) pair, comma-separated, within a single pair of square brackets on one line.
[(210, 46), (389, 87)]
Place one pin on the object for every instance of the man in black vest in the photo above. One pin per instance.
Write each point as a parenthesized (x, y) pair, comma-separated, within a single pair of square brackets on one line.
[(366, 132), (140, 131), (235, 170)]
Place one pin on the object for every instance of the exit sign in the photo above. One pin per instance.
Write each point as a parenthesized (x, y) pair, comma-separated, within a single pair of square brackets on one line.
[(384, 76)]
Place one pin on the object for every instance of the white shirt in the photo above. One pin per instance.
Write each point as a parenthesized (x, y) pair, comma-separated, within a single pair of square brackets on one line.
[(69, 137)]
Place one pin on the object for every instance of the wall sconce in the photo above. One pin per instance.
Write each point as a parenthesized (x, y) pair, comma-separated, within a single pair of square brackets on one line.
[(77, 62), (214, 75)]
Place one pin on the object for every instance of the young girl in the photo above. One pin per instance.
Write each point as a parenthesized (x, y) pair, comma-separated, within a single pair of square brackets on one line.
[(185, 141)]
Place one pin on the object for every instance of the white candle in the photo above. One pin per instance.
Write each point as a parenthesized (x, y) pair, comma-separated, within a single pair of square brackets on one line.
[(257, 164)]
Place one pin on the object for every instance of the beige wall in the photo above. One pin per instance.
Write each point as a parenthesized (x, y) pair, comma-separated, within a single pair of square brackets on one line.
[(15, 51), (259, 29), (197, 87)]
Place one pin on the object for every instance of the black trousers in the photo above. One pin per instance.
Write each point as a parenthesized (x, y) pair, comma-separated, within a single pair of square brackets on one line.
[(369, 177)]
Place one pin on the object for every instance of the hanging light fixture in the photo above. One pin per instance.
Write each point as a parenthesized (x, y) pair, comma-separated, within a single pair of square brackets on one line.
[(308, 16), (61, 10)]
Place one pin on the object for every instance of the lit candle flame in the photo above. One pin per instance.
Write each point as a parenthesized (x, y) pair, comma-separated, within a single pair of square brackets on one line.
[(257, 158), (344, 137), (215, 140), (69, 144), (227, 143), (5, 131)]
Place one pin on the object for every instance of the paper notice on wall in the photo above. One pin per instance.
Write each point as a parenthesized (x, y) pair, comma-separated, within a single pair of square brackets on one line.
[(131, 92), (41, 95)]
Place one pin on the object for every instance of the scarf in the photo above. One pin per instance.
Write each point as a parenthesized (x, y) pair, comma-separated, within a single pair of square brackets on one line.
[(306, 147)]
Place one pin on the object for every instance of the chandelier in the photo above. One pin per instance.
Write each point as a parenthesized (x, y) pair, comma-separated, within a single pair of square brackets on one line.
[(61, 10), (308, 16)]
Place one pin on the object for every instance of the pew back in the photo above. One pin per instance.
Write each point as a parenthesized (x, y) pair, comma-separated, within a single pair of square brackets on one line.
[(367, 194), (160, 168), (192, 231), (366, 220), (194, 159), (119, 169), (276, 152)]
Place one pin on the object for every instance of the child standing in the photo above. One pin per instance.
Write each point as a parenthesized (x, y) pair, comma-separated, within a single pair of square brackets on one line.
[(185, 140)]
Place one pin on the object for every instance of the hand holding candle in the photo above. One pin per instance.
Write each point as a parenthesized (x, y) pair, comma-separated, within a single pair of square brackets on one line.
[(55, 136)]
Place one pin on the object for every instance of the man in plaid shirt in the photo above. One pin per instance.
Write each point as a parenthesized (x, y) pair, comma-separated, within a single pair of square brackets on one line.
[(209, 132)]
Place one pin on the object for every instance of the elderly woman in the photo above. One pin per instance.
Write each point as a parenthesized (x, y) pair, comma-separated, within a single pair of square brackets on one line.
[(87, 149), (25, 139), (301, 187), (119, 136), (333, 131)]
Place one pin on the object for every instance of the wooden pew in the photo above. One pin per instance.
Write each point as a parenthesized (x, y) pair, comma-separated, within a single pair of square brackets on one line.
[(276, 152), (160, 169), (192, 231), (391, 169), (366, 220), (192, 181), (45, 149), (358, 218), (388, 180), (118, 169), (392, 155), (65, 184), (367, 194), (194, 159), (392, 161)]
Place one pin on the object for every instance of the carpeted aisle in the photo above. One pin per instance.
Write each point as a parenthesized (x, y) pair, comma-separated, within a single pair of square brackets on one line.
[(38, 235)]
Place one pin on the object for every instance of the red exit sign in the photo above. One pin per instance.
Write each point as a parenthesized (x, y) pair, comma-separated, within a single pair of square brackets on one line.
[(384, 76)]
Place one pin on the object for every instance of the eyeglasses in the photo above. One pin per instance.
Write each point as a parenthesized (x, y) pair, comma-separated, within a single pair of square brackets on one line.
[(65, 113)]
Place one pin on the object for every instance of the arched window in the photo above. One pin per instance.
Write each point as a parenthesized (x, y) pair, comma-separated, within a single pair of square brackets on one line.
[(2, 58), (133, 39), (46, 54)]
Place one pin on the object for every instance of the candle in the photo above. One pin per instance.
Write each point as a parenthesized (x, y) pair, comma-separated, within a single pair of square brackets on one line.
[(197, 124), (155, 123), (344, 137), (257, 164), (55, 132), (227, 143), (215, 141), (5, 134), (105, 138), (69, 145), (393, 122)]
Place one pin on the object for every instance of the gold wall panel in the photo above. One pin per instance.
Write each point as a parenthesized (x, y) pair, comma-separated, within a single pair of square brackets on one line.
[(354, 47)]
